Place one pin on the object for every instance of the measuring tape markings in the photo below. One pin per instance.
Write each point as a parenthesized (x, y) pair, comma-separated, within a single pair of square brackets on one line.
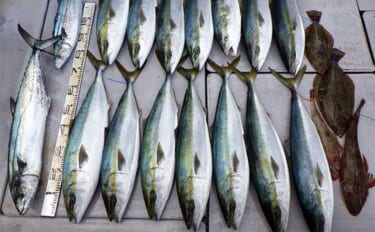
[(52, 194)]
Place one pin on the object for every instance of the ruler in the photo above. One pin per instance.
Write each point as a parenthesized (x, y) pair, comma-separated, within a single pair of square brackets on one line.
[(52, 194)]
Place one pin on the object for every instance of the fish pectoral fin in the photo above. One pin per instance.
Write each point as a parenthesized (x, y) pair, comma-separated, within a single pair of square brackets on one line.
[(82, 157), (160, 156), (319, 175), (370, 180), (12, 103), (235, 162), (201, 19), (260, 19), (294, 24), (173, 25), (275, 167), (111, 13), (121, 161), (142, 17), (197, 163), (21, 164)]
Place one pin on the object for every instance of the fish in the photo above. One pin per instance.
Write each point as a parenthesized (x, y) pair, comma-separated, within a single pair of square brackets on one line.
[(141, 30), (193, 155), (257, 31), (289, 33), (29, 117), (267, 160), (227, 25), (111, 25), (170, 33), (310, 170), (83, 155), (355, 179), (67, 23), (335, 95), (199, 31), (230, 161), (319, 43), (332, 147), (121, 151)]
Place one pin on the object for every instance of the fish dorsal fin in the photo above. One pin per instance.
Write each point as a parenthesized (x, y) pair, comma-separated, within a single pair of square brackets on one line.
[(319, 175), (21, 165), (82, 157), (235, 162), (275, 167), (12, 103), (201, 19), (159, 154), (142, 17), (173, 25), (260, 19), (121, 162), (197, 163)]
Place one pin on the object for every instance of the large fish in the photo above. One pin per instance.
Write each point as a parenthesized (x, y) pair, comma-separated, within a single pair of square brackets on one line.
[(355, 179), (231, 166), (257, 31), (268, 165), (310, 168), (67, 23), (141, 30), (194, 156), (29, 112), (121, 151), (289, 32), (199, 31), (170, 33), (83, 154), (111, 27), (227, 24)]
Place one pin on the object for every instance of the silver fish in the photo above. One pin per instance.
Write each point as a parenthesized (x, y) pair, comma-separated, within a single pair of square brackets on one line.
[(231, 166), (29, 112), (227, 24), (67, 23), (199, 31), (289, 33), (111, 27), (83, 154), (310, 168), (170, 34), (141, 30), (194, 156), (257, 31)]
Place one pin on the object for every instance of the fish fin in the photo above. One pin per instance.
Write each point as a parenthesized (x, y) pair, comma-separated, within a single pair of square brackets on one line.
[(361, 104), (201, 19), (159, 154), (260, 19), (246, 76), (189, 74), (21, 164), (35, 43), (319, 175), (111, 12), (314, 15), (82, 157), (291, 83), (226, 70), (12, 103), (337, 54), (197, 163), (129, 76), (370, 180), (275, 167), (294, 24), (235, 162), (97, 63), (121, 161), (173, 25), (142, 17)]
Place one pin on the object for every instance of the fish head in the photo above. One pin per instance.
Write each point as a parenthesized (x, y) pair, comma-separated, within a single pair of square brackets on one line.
[(62, 54), (23, 192)]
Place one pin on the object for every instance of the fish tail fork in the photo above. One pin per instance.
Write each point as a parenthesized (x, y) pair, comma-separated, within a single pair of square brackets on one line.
[(36, 44), (291, 83)]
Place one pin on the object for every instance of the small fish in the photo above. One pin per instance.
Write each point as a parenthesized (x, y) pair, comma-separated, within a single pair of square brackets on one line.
[(29, 111), (231, 166), (170, 34), (310, 168), (257, 31), (141, 30), (319, 43), (335, 95), (355, 179), (199, 31), (111, 27), (268, 164), (227, 25), (121, 151), (67, 23), (331, 145), (193, 156), (84, 150), (289, 32)]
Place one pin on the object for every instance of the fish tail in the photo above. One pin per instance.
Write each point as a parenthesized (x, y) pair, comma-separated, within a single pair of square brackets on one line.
[(336, 55), (97, 63), (314, 15), (246, 76), (189, 74), (291, 83), (36, 44), (129, 76), (226, 70)]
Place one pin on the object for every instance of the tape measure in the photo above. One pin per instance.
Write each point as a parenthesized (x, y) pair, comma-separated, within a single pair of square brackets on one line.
[(52, 195)]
